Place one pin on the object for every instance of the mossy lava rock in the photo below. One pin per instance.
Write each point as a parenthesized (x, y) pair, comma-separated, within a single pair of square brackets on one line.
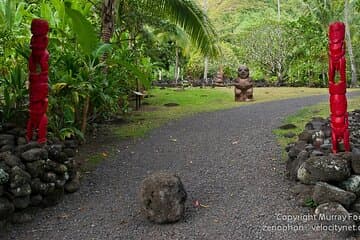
[(163, 197)]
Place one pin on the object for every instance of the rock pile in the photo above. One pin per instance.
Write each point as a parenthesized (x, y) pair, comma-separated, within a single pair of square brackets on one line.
[(33, 174), (329, 181)]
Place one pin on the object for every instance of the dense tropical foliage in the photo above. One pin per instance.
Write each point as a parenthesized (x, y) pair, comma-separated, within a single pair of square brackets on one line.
[(284, 44), (102, 50)]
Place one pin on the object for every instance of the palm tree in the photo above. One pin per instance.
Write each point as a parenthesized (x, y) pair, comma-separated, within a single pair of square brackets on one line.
[(185, 13), (107, 20), (349, 45), (326, 12), (181, 41), (107, 23)]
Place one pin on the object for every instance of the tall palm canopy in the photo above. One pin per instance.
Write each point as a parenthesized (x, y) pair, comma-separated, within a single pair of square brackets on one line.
[(189, 16)]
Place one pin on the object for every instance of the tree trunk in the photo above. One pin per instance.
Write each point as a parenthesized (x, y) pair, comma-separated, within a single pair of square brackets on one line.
[(85, 113), (279, 11), (176, 73), (206, 69), (206, 60), (349, 45), (107, 28), (107, 22)]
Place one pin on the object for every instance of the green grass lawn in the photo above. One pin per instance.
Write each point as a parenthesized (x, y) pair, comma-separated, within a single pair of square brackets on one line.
[(194, 100), (304, 115)]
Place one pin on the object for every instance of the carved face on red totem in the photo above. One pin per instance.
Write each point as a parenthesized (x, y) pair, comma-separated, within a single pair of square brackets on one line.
[(243, 72), (336, 32), (338, 106), (39, 27), (39, 42)]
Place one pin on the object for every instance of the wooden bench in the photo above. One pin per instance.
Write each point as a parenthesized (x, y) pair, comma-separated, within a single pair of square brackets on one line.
[(138, 97)]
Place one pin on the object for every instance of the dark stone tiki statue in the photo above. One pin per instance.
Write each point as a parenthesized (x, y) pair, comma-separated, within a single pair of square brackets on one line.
[(243, 85)]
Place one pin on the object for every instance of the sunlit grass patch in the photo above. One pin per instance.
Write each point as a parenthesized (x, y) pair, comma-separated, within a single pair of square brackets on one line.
[(195, 100)]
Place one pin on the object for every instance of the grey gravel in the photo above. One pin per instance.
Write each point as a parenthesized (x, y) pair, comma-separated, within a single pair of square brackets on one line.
[(228, 160)]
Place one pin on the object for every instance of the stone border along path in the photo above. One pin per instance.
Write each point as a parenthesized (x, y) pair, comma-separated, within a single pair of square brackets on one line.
[(228, 160)]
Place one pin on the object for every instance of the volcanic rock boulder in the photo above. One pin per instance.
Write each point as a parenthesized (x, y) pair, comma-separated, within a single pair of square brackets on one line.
[(324, 193), (332, 168), (162, 197), (334, 214)]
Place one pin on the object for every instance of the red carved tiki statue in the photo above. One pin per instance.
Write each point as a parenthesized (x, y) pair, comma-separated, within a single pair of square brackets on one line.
[(338, 103), (38, 78)]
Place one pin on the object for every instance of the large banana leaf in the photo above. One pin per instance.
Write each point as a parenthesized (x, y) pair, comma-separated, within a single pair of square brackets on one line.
[(85, 32)]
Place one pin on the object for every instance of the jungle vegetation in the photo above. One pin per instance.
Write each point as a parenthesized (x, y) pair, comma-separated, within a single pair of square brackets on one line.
[(102, 50)]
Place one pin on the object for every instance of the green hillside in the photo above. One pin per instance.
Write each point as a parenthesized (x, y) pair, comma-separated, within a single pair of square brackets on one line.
[(292, 49)]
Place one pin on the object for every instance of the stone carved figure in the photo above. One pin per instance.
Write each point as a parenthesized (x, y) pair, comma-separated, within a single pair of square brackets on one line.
[(219, 80), (243, 85), (38, 78), (338, 102)]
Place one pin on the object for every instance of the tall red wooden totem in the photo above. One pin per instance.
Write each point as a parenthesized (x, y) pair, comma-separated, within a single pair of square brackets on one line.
[(38, 78), (338, 103)]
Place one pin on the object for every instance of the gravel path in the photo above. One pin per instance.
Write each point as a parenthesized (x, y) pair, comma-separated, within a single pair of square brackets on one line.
[(228, 160)]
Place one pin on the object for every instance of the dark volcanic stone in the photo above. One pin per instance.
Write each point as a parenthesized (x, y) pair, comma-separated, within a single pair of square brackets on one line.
[(351, 184), (21, 202), (55, 153), (306, 136), (292, 165), (289, 135), (7, 148), (324, 168), (71, 144), (35, 154), (6, 137), (21, 141), (38, 186), (55, 167), (355, 160), (6, 208), (19, 177), (21, 217), (324, 193), (317, 153), (331, 214), (36, 200), (162, 197), (4, 167), (74, 184), (318, 123), (54, 197), (296, 149), (325, 147), (23, 148), (10, 159), (171, 104), (288, 126), (36, 168), (69, 152), (49, 177), (309, 126), (8, 126), (289, 146), (4, 176), (21, 191)]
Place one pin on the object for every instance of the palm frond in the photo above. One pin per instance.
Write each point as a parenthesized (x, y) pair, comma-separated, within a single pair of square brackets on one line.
[(189, 16)]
